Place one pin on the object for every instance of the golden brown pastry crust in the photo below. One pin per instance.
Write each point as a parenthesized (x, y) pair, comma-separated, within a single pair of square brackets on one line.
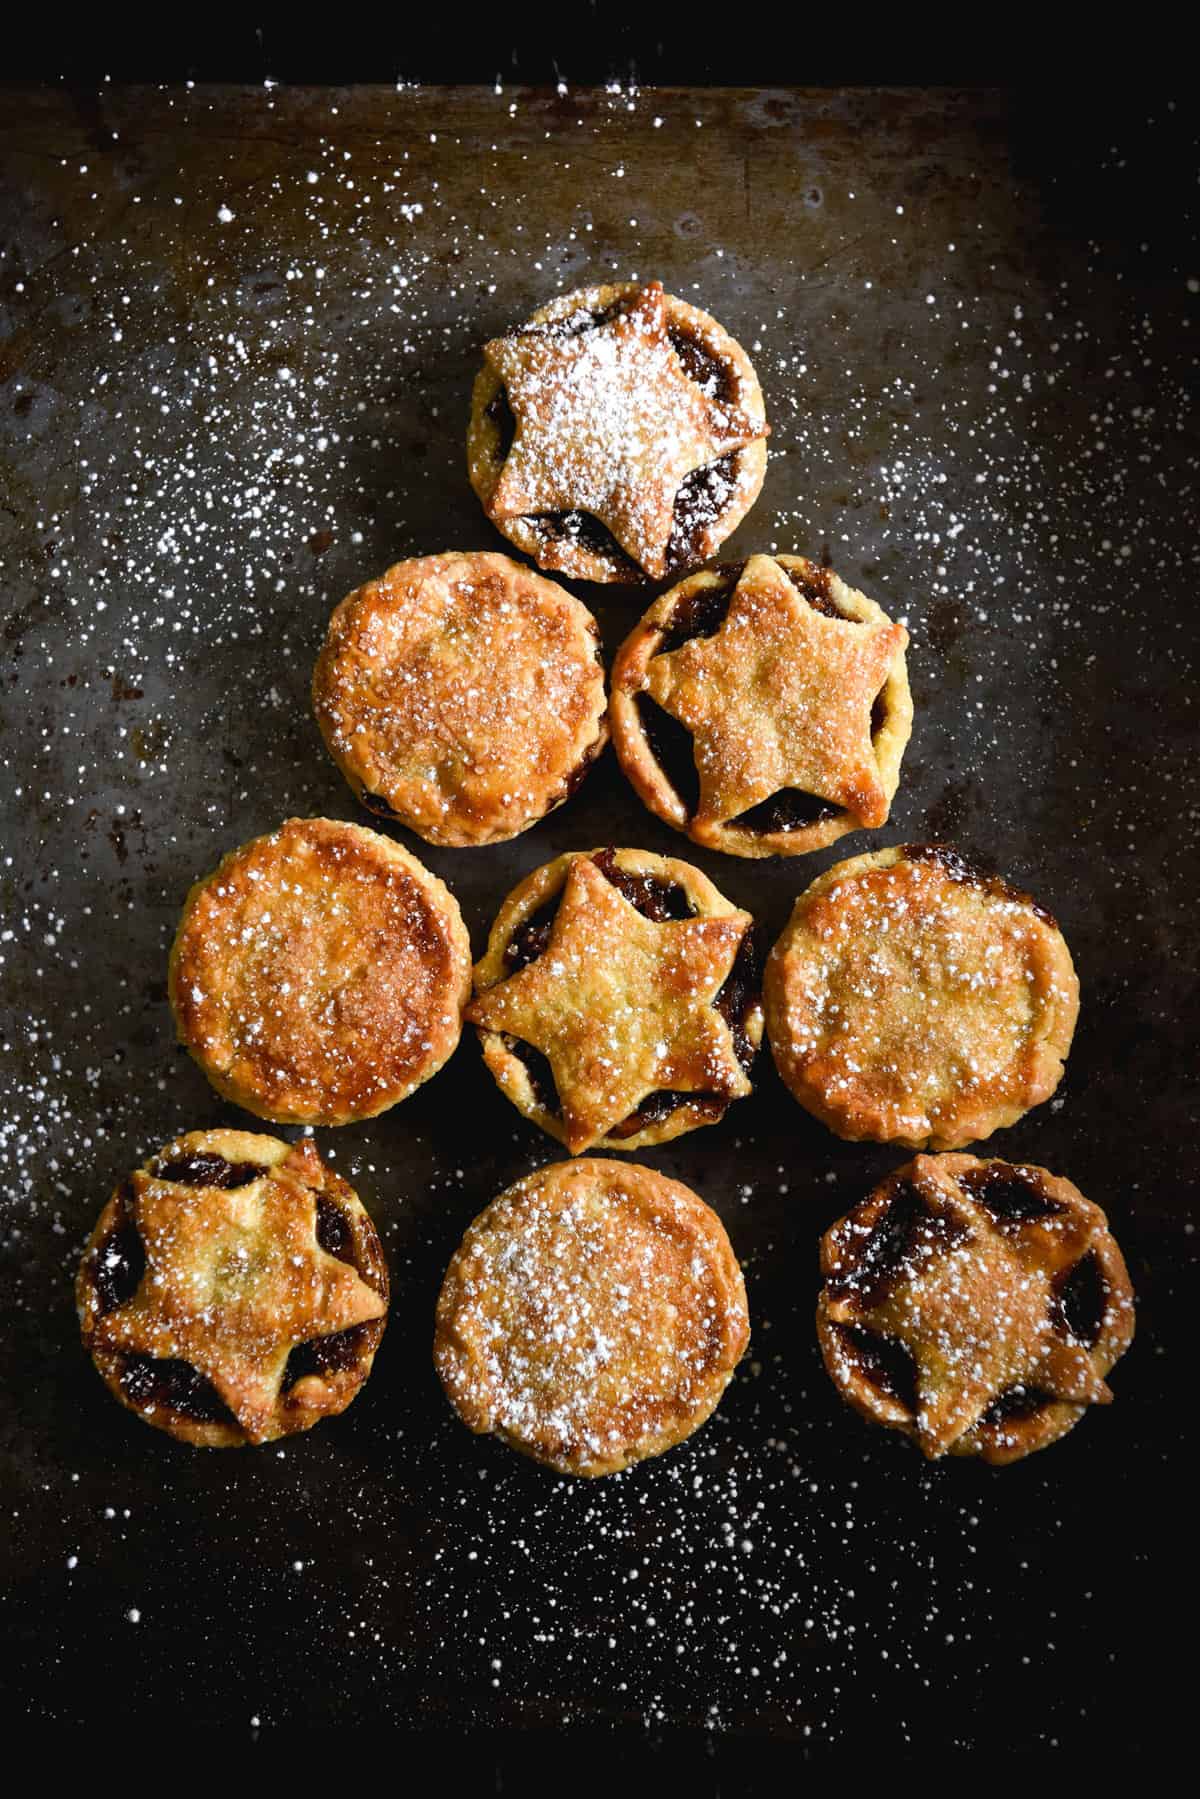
[(462, 695), (801, 689), (912, 999), (621, 1005), (615, 436), (974, 1305), (219, 1257), (319, 974), (592, 1316)]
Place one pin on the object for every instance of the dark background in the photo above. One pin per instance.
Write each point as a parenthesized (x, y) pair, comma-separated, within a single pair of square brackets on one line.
[(1009, 465), (592, 41)]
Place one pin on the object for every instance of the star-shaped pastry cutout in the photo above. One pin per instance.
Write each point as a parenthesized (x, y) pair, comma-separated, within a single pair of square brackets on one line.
[(608, 423), (234, 1280), (621, 1005), (780, 697), (974, 1305)]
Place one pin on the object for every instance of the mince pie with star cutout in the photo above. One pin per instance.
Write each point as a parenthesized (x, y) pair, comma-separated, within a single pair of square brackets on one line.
[(319, 973), (234, 1290), (618, 435), (913, 998), (977, 1306), (763, 708), (618, 999), (462, 695), (592, 1316)]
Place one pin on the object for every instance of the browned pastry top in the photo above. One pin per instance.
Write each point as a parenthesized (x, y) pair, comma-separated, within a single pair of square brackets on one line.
[(462, 694), (319, 973), (592, 1316), (912, 999), (233, 1290), (974, 1305)]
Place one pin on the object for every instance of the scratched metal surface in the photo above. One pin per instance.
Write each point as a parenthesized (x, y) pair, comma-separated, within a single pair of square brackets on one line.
[(237, 335)]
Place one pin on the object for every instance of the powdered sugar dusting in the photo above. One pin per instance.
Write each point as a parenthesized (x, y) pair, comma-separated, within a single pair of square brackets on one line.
[(588, 1320)]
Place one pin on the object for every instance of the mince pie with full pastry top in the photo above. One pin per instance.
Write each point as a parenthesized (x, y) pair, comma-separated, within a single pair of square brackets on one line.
[(234, 1290), (974, 1305), (913, 998), (319, 974), (462, 695), (592, 1316), (618, 435), (763, 708), (618, 1000)]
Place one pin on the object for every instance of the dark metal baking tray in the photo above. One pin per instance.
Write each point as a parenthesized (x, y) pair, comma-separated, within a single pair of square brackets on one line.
[(237, 334)]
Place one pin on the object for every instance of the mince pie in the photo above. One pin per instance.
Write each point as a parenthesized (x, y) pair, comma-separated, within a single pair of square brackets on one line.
[(763, 708), (618, 435), (974, 1305), (234, 1290), (618, 1001), (319, 974), (592, 1316), (914, 999), (462, 695)]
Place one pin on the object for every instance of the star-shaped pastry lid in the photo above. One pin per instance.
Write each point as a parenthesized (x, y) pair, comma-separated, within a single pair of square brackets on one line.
[(234, 1280), (780, 698), (622, 1005), (608, 423), (964, 1265)]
